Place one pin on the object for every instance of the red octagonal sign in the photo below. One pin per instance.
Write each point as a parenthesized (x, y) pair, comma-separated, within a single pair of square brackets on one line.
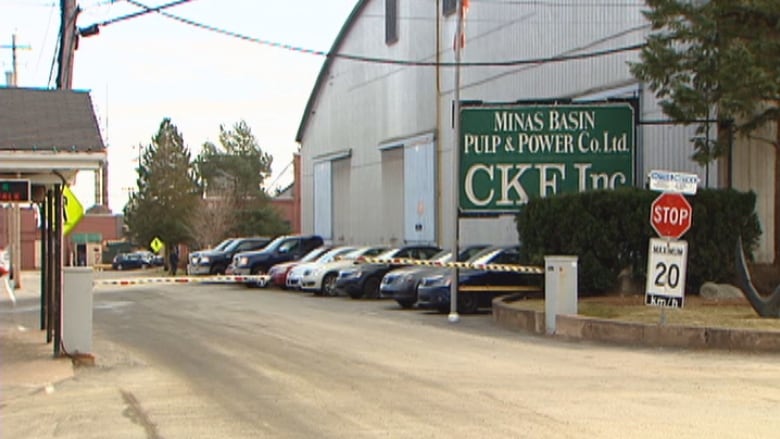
[(670, 215)]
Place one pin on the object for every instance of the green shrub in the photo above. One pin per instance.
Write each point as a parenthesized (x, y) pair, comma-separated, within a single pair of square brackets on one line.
[(609, 231)]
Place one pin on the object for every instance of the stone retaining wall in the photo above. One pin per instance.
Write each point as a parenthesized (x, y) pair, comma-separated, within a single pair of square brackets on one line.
[(511, 316)]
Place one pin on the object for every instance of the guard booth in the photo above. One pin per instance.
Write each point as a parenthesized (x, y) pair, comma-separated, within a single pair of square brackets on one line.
[(46, 138)]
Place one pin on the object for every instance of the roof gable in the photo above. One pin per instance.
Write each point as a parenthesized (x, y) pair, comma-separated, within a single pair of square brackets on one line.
[(42, 119)]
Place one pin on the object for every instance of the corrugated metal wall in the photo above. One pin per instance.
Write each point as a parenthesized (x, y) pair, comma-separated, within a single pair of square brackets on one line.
[(364, 105)]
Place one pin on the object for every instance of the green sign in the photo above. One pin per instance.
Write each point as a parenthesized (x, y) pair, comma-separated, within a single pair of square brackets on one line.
[(510, 154)]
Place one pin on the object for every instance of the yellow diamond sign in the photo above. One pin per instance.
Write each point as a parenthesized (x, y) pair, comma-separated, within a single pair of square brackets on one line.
[(156, 245), (72, 210)]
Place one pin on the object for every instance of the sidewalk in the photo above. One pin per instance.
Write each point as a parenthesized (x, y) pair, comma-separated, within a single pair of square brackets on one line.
[(28, 363)]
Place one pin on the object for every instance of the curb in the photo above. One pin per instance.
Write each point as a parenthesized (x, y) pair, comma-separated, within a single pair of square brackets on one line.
[(575, 327)]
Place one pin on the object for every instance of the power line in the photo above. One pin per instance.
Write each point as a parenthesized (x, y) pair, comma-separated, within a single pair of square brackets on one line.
[(93, 29), (375, 60)]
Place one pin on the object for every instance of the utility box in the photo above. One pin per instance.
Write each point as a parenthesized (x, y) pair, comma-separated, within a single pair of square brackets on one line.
[(560, 288), (77, 310)]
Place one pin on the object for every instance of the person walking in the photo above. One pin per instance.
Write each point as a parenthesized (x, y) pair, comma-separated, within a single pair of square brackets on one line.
[(173, 260)]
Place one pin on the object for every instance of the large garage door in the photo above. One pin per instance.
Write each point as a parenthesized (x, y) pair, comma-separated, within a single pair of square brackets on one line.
[(323, 214)]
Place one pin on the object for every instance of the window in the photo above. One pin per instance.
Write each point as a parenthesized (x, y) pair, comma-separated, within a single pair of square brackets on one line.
[(448, 7), (391, 21)]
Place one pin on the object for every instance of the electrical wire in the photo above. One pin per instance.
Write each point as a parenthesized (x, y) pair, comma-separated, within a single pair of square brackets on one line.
[(375, 60), (146, 10)]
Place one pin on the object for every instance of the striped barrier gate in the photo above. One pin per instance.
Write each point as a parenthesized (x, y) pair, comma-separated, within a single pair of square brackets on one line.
[(465, 265), (260, 280)]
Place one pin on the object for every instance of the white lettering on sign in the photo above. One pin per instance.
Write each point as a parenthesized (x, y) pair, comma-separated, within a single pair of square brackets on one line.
[(670, 215), (506, 121), (551, 176), (572, 120)]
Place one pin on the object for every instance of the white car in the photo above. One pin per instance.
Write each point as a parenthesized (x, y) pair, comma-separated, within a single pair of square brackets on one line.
[(293, 280), (321, 279)]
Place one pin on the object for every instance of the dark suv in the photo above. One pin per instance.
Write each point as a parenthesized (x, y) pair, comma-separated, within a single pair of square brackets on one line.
[(282, 249), (216, 260)]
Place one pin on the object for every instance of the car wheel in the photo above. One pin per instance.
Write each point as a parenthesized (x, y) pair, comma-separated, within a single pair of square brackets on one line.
[(405, 303), (119, 267), (468, 303), (144, 266), (371, 288), (329, 285), (255, 271)]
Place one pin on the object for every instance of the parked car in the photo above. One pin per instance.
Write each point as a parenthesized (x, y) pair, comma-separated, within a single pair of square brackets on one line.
[(477, 288), (153, 259), (363, 279), (282, 249), (321, 280), (215, 261), (129, 261), (278, 273), (297, 273), (401, 284)]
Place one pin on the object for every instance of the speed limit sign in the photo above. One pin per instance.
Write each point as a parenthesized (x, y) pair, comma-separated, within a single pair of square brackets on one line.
[(666, 263)]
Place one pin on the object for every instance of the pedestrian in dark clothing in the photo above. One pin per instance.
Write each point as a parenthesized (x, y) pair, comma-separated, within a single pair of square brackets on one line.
[(174, 260)]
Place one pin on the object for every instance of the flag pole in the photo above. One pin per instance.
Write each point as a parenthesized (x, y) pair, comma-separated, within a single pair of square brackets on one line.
[(453, 317)]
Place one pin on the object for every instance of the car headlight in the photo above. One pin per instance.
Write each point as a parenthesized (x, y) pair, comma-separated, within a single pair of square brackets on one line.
[(243, 261), (204, 260)]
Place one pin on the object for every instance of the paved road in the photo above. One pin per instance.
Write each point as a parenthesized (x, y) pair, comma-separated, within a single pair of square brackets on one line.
[(203, 361)]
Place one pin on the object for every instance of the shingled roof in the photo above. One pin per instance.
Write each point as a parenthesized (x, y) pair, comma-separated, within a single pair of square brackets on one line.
[(45, 120)]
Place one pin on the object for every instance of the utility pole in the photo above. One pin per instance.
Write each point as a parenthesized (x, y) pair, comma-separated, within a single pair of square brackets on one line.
[(13, 214), (68, 42), (14, 76)]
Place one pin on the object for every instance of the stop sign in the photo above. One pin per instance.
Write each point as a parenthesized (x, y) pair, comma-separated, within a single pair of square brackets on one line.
[(670, 215)]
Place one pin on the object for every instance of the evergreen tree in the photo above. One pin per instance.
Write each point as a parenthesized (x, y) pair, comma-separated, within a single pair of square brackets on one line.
[(238, 168), (716, 58), (167, 194)]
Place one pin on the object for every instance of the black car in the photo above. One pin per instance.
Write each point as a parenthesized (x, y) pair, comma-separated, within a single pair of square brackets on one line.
[(401, 284), (130, 261), (363, 279), (281, 249), (477, 287), (215, 261)]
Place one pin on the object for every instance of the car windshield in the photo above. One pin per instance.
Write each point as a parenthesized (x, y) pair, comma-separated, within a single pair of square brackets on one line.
[(388, 254), (274, 245), (485, 256), (334, 253), (364, 251), (442, 256), (222, 245), (315, 254)]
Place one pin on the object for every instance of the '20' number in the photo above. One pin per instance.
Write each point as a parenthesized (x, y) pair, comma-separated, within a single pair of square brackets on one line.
[(667, 275)]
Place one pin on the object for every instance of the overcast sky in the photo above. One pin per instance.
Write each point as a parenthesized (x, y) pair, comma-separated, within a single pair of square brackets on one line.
[(144, 69)]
